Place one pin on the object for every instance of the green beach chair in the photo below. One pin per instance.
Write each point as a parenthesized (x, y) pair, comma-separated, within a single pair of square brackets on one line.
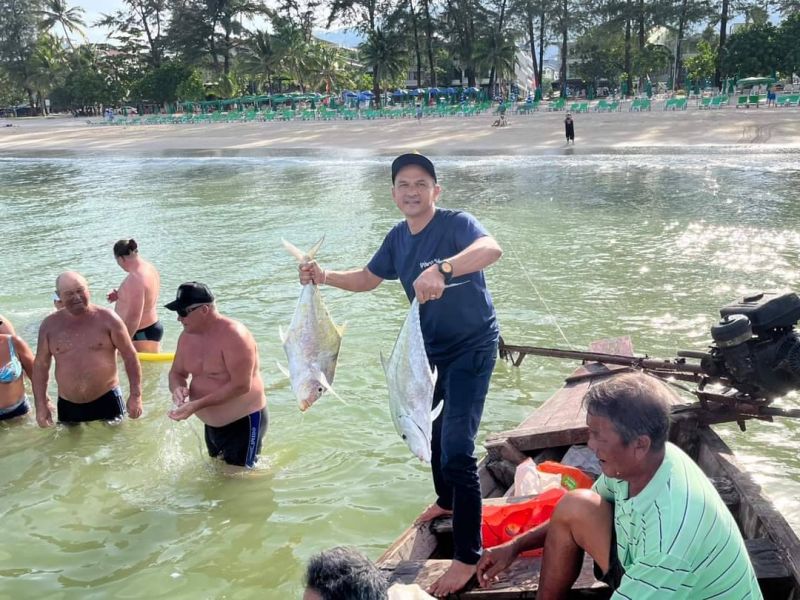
[(705, 103), (557, 105), (753, 100), (602, 106), (741, 102)]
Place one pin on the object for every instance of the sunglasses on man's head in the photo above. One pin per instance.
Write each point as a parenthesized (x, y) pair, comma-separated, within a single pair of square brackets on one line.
[(184, 312)]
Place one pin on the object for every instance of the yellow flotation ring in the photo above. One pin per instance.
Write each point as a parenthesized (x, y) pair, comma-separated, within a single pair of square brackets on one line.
[(156, 356)]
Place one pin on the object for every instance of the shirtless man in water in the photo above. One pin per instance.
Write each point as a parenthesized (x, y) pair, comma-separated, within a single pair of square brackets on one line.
[(137, 296), (84, 339), (216, 376)]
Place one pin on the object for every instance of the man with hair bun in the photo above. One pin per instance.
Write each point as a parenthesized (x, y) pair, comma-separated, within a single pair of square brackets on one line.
[(653, 522), (137, 297)]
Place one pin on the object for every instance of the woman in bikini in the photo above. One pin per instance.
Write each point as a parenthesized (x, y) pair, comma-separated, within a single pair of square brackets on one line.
[(15, 358)]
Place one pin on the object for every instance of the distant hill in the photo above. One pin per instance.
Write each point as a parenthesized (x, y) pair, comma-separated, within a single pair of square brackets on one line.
[(348, 38)]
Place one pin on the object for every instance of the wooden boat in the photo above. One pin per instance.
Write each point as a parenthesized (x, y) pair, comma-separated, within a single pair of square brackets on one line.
[(422, 553)]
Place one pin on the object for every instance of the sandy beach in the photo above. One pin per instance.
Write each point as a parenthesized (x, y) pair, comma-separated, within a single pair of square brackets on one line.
[(763, 130)]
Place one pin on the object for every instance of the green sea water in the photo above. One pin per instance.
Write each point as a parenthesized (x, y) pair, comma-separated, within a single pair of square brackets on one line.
[(648, 245)]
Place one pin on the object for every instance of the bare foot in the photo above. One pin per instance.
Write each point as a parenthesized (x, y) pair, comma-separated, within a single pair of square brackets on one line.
[(455, 578), (434, 511)]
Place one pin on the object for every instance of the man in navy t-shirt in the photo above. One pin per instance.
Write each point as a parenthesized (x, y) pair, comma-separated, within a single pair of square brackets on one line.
[(427, 251)]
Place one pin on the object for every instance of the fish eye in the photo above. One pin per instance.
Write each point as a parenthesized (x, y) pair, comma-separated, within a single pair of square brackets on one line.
[(404, 436), (320, 389)]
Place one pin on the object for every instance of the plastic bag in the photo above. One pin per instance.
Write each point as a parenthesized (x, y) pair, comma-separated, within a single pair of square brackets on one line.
[(500, 523), (570, 478), (583, 458), (529, 480)]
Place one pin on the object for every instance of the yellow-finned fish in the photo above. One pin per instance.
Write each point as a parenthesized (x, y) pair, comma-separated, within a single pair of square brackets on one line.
[(312, 340)]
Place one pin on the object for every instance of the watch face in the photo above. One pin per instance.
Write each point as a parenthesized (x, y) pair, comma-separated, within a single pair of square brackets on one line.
[(445, 267)]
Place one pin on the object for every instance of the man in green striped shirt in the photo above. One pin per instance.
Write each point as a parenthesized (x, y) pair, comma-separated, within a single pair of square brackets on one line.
[(653, 523)]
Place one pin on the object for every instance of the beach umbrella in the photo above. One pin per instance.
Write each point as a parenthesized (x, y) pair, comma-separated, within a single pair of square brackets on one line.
[(400, 93), (367, 94), (416, 92), (434, 91), (450, 91)]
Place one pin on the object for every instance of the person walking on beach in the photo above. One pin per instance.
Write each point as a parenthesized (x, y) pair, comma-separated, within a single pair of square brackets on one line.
[(569, 128), (653, 523), (216, 376), (84, 339), (428, 250), (137, 296)]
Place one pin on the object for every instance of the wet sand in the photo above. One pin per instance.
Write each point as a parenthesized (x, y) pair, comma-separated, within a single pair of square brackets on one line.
[(762, 130)]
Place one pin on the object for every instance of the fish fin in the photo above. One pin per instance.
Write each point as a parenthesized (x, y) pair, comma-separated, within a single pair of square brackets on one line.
[(283, 369), (341, 328), (282, 333), (323, 381), (383, 361), (437, 411), (434, 376)]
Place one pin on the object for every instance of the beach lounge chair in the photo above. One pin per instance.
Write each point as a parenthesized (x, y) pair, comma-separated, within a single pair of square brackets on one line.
[(719, 101), (705, 103), (753, 100), (640, 104), (741, 102), (557, 105), (602, 106), (614, 106)]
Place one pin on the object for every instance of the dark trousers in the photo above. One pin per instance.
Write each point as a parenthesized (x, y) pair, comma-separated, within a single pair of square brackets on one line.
[(462, 383)]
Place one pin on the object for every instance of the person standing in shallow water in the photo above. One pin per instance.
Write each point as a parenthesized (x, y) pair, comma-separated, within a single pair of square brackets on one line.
[(427, 250), (137, 297), (84, 339), (216, 376), (569, 128)]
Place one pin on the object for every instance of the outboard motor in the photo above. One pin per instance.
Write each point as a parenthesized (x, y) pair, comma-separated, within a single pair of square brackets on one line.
[(756, 346)]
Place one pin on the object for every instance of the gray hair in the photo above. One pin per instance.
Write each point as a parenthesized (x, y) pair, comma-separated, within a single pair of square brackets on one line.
[(636, 404), (343, 573)]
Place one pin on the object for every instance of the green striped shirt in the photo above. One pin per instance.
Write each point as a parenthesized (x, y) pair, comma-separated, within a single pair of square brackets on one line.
[(676, 538)]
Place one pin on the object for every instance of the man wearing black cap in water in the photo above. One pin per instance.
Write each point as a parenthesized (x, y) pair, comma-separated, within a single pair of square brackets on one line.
[(430, 249), (216, 376)]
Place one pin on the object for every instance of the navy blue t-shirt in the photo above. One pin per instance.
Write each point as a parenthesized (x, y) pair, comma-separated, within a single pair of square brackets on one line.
[(463, 318)]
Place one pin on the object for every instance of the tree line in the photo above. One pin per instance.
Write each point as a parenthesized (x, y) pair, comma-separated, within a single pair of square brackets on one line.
[(161, 51)]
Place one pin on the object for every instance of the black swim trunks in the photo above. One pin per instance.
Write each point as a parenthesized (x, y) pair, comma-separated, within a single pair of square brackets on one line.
[(238, 443), (107, 407), (612, 577), (151, 333)]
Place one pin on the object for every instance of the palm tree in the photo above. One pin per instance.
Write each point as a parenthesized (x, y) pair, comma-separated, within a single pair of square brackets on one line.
[(386, 52), (261, 59), (56, 12), (499, 56), (328, 67)]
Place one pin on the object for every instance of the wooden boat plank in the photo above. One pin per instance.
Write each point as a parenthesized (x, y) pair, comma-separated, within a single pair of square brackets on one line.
[(520, 581), (561, 420), (758, 517)]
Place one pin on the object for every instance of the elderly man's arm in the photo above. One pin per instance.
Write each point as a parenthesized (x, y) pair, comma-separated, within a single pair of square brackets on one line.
[(122, 342), (41, 374), (239, 355)]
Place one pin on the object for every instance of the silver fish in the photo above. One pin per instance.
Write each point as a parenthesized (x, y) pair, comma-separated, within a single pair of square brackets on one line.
[(312, 341), (411, 384)]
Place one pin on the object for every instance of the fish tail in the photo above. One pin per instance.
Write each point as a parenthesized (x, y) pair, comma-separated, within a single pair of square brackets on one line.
[(299, 255)]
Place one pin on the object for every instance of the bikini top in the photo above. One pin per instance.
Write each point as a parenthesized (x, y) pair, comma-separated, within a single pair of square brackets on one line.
[(12, 370)]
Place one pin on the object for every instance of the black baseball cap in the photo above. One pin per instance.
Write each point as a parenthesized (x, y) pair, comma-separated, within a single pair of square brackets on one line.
[(189, 293), (413, 158)]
